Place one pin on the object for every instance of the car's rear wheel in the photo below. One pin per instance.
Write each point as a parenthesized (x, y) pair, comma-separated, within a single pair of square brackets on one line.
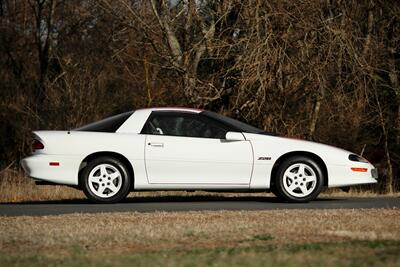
[(299, 179), (105, 180)]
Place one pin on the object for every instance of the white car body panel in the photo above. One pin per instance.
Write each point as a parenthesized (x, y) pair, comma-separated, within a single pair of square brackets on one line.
[(197, 160), (336, 160), (184, 163)]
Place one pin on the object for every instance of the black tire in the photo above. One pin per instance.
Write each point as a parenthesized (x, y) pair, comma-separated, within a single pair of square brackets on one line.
[(283, 194), (276, 192), (125, 180)]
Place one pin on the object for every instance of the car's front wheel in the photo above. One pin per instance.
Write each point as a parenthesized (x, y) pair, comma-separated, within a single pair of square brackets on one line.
[(299, 179), (105, 180)]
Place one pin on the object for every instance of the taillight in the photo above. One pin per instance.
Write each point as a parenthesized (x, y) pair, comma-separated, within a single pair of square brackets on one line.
[(37, 145)]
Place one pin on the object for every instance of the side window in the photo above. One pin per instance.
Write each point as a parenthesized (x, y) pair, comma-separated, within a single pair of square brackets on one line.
[(189, 125)]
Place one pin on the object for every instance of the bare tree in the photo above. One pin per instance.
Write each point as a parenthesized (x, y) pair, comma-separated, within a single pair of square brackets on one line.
[(43, 11), (321, 70), (181, 34)]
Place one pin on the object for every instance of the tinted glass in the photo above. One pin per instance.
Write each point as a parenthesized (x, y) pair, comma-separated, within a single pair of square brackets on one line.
[(234, 124), (110, 124), (181, 124)]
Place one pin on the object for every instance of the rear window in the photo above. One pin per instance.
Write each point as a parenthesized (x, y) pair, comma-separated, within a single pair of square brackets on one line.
[(108, 125)]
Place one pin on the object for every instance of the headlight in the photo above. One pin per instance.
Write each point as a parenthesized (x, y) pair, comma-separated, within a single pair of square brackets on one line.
[(354, 157)]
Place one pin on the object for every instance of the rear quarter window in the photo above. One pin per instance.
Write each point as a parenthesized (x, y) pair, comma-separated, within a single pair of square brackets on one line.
[(107, 125)]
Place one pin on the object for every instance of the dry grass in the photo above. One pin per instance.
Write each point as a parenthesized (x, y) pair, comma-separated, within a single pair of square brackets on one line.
[(138, 232), (15, 187), (98, 236), (357, 192)]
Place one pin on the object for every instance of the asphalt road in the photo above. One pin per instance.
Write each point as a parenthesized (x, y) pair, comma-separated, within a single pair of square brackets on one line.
[(190, 203)]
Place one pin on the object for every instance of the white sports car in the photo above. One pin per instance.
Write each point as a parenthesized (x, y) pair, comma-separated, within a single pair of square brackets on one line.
[(188, 149)]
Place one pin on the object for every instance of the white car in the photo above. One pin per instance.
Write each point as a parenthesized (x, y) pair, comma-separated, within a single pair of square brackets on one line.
[(188, 149)]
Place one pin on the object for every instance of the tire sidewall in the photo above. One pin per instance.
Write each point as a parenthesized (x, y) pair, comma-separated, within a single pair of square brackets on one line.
[(280, 175), (124, 190)]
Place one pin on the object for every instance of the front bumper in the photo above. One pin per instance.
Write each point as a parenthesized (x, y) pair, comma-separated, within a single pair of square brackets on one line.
[(342, 175)]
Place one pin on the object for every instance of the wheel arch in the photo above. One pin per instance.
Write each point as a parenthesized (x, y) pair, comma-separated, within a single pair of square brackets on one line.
[(308, 154), (111, 154)]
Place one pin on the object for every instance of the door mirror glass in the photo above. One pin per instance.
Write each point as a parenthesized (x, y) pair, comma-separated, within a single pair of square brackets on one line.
[(234, 136)]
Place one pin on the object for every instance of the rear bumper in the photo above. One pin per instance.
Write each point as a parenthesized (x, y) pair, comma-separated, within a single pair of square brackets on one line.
[(38, 167)]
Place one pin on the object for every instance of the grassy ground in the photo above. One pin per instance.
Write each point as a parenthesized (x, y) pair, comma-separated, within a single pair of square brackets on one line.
[(368, 237)]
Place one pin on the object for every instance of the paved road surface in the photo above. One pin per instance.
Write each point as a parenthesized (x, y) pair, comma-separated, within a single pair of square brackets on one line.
[(189, 203)]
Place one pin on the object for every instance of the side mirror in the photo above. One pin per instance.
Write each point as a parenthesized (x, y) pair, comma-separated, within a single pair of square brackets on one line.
[(234, 136), (159, 131)]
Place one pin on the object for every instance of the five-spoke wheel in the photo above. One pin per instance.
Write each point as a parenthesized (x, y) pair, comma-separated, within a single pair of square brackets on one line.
[(298, 179), (105, 180)]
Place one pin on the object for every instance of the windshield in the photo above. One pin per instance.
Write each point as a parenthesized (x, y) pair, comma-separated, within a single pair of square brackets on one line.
[(237, 125), (108, 125)]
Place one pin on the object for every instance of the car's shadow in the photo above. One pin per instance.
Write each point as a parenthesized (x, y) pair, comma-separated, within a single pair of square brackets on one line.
[(172, 198)]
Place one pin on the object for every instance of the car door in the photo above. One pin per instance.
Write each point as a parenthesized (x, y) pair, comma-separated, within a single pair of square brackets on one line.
[(188, 148)]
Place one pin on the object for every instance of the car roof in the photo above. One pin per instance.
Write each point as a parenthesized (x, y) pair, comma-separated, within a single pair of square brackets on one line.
[(182, 109)]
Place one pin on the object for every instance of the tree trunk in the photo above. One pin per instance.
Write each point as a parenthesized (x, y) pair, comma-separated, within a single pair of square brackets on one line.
[(43, 43), (317, 107), (389, 172), (394, 81), (389, 178)]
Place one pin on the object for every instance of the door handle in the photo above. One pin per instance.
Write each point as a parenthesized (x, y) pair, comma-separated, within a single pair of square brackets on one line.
[(156, 144)]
